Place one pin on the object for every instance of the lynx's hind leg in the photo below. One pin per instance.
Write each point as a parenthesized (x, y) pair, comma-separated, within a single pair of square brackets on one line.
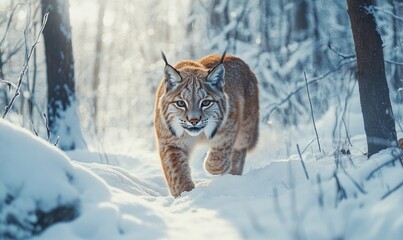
[(237, 161)]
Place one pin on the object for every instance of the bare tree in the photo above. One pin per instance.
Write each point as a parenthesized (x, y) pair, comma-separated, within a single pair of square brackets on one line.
[(301, 21), (62, 104), (376, 108), (97, 62), (397, 72)]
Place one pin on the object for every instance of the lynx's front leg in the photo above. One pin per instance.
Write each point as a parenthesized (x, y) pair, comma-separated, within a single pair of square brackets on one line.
[(175, 165)]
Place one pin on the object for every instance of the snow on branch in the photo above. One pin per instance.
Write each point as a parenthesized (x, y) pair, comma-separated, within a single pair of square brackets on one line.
[(275, 106), (25, 66), (395, 156), (379, 9)]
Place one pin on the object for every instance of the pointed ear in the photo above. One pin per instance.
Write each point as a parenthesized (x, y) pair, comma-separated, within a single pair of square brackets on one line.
[(172, 76), (217, 76)]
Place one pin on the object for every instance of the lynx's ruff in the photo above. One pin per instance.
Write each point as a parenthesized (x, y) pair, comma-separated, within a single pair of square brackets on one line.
[(213, 100)]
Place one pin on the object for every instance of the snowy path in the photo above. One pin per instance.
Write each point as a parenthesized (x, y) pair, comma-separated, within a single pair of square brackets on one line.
[(128, 199), (261, 204)]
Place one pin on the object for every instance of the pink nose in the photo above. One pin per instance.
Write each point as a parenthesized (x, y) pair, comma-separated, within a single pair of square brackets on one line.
[(194, 121)]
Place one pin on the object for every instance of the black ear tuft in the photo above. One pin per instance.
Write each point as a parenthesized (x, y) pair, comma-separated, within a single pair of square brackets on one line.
[(223, 56), (164, 58), (217, 76), (172, 76)]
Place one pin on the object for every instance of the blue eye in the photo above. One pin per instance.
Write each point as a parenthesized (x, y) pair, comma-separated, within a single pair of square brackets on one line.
[(206, 103), (180, 103)]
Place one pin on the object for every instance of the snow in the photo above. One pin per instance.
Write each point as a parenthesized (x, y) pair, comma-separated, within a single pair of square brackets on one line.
[(68, 133), (115, 189), (128, 198)]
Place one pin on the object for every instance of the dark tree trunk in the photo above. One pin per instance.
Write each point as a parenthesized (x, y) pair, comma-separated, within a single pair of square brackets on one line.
[(376, 108), (301, 21), (62, 115), (317, 51), (264, 25), (397, 72)]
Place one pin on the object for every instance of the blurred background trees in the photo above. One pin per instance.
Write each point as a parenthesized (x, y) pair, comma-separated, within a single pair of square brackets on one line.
[(117, 57)]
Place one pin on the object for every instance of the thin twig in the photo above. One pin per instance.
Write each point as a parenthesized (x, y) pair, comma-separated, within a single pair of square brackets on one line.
[(389, 13), (34, 129), (341, 192), (381, 166), (25, 67), (347, 133), (302, 162), (303, 151), (313, 118), (48, 133), (358, 186), (272, 107), (394, 62), (392, 190), (343, 56), (9, 84), (57, 141), (9, 22)]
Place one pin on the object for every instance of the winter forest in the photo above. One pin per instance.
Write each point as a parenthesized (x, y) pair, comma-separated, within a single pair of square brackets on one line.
[(78, 153)]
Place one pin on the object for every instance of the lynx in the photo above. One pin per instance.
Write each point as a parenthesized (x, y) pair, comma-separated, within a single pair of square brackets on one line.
[(213, 100)]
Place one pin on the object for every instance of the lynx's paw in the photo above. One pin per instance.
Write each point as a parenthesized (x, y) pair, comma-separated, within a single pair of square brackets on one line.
[(187, 187), (216, 164)]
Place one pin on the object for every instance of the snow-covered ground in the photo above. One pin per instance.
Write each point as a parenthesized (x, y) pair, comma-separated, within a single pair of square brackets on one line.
[(78, 196)]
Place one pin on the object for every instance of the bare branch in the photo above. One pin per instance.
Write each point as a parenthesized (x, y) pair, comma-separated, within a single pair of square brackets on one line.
[(11, 53), (34, 129), (9, 84), (343, 56), (393, 62), (48, 133), (9, 23), (341, 192), (392, 190), (25, 67), (276, 106), (313, 117), (389, 13), (313, 140), (358, 186), (302, 162), (395, 157)]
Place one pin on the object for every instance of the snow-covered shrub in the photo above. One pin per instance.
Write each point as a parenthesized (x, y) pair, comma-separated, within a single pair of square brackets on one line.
[(39, 185)]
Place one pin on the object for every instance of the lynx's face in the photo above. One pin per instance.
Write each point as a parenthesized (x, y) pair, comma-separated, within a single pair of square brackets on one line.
[(194, 101)]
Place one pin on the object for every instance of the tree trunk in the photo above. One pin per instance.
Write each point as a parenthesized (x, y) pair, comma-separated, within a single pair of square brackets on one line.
[(62, 105), (376, 108), (264, 25), (301, 21), (97, 62), (397, 72)]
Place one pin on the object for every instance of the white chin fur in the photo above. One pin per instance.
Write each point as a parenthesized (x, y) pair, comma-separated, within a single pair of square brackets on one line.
[(194, 133), (209, 129)]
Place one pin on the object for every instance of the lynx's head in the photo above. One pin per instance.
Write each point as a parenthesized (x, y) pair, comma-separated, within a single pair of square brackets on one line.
[(194, 101)]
